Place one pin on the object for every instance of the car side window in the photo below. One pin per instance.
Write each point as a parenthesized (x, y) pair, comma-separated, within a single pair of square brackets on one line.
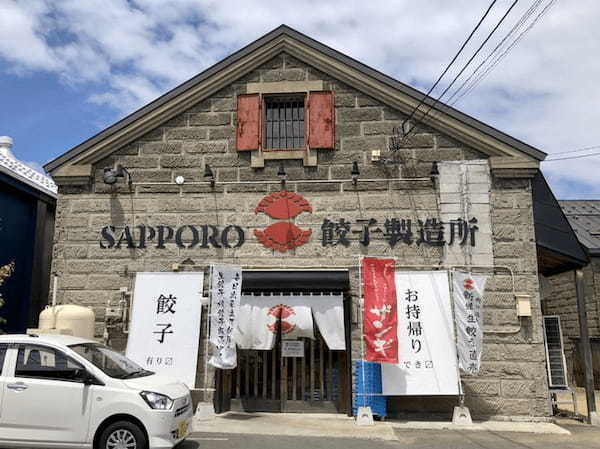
[(41, 362), (3, 351)]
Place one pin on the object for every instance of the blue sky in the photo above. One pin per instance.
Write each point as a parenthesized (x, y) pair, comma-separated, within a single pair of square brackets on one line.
[(70, 68)]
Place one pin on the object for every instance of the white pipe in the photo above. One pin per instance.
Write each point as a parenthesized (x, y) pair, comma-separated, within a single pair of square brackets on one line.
[(54, 310)]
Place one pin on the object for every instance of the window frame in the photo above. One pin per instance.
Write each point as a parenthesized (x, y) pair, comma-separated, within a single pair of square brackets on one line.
[(292, 96), (3, 359), (56, 351)]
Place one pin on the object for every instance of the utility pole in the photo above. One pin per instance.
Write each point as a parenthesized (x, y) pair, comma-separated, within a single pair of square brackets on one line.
[(586, 349)]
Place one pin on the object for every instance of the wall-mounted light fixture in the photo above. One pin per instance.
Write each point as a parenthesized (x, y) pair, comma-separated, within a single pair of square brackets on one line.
[(209, 175), (434, 173), (355, 172), (110, 175), (282, 175)]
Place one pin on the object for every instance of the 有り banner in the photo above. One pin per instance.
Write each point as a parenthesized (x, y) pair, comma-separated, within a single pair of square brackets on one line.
[(165, 324), (427, 363), (380, 319), (468, 311), (225, 295)]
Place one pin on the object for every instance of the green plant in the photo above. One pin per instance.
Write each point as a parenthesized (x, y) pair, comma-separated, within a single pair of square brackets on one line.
[(5, 272)]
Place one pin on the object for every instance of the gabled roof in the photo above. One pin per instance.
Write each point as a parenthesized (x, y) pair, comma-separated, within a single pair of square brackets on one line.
[(285, 39), (584, 216), (557, 245), (23, 173)]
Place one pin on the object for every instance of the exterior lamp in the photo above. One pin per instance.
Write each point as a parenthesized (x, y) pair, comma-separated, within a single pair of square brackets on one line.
[(110, 175), (209, 176), (355, 172), (434, 171), (282, 175)]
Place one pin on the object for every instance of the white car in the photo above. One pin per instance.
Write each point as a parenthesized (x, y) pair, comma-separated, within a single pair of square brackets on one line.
[(70, 392)]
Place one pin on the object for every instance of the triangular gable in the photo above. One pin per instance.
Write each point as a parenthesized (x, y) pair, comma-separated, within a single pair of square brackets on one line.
[(505, 151)]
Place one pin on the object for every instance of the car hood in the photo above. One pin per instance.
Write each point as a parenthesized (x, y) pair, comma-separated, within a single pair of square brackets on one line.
[(158, 384)]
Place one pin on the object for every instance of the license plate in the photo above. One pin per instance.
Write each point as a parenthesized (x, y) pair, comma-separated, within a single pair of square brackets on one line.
[(182, 429)]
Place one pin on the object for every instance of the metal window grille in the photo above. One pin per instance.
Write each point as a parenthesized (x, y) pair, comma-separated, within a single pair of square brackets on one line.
[(284, 123)]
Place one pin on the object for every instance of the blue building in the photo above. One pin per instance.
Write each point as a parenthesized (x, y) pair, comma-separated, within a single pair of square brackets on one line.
[(27, 210)]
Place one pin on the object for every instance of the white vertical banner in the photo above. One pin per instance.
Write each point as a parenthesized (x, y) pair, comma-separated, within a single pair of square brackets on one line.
[(165, 324), (427, 352), (468, 311), (225, 295)]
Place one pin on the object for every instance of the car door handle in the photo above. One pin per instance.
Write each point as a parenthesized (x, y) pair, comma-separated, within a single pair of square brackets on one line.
[(19, 386)]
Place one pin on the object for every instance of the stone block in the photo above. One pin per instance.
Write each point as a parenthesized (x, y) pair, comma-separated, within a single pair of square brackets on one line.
[(363, 144), (158, 188), (358, 114), (210, 119), (179, 120), (223, 104), (205, 147), (202, 188), (189, 133), (168, 161), (317, 187), (129, 150), (160, 148), (222, 133), (154, 135), (139, 162), (284, 75), (351, 129), (379, 128), (345, 100), (202, 106), (242, 188), (151, 175), (364, 100), (481, 387), (518, 388)]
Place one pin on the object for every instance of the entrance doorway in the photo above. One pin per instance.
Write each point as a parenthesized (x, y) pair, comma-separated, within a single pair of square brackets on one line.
[(269, 381), (321, 381)]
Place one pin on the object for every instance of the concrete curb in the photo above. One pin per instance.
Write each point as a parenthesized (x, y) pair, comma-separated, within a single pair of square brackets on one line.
[(489, 426)]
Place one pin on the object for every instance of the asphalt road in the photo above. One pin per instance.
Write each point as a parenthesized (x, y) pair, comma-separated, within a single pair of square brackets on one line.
[(582, 437)]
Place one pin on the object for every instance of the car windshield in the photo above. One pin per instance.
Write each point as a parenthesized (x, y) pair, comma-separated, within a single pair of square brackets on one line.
[(110, 361)]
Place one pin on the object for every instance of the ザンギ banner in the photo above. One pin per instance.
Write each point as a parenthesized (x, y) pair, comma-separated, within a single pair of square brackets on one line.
[(380, 307), (165, 324)]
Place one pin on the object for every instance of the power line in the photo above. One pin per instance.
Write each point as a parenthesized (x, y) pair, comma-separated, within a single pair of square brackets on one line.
[(513, 30), (572, 157), (451, 62), (464, 67), (577, 150), (499, 58)]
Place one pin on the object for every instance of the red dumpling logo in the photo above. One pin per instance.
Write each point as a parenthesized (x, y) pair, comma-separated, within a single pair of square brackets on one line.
[(283, 236)]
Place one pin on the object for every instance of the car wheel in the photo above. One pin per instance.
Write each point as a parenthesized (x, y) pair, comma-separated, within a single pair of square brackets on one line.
[(122, 435)]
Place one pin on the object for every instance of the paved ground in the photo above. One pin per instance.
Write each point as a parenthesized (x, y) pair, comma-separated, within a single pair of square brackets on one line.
[(566, 401), (581, 437)]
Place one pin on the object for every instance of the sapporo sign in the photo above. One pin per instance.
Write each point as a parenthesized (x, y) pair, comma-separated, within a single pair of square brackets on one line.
[(283, 235)]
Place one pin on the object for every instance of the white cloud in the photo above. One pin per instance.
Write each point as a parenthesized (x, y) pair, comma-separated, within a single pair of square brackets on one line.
[(127, 53)]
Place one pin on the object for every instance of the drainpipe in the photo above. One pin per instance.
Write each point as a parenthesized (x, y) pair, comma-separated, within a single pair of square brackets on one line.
[(587, 350)]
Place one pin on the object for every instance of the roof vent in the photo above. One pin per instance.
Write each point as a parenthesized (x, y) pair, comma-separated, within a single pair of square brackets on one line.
[(6, 144)]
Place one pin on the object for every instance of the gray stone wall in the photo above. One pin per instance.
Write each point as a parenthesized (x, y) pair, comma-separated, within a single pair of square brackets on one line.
[(513, 380), (560, 298)]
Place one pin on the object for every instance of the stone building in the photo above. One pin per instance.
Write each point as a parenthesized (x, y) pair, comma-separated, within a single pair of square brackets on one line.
[(559, 294), (342, 154)]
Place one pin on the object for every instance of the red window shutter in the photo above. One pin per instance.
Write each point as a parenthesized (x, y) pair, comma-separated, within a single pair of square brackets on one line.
[(248, 122), (321, 107)]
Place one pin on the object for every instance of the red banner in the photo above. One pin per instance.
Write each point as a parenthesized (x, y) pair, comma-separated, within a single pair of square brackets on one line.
[(380, 313)]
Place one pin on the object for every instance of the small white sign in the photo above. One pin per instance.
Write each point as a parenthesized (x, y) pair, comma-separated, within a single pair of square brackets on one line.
[(165, 324), (292, 348)]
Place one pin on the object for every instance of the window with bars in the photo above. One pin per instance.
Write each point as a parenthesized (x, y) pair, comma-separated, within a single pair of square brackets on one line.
[(284, 123)]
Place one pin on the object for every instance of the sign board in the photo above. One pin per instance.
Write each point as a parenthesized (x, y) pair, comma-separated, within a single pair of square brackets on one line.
[(165, 324), (292, 348), (427, 352)]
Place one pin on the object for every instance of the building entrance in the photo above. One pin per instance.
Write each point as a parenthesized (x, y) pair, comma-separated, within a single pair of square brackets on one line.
[(312, 380)]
